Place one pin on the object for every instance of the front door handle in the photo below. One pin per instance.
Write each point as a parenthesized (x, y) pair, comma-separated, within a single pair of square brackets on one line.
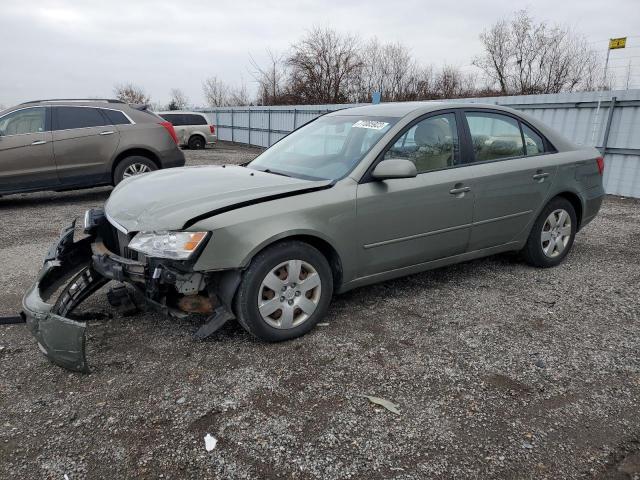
[(459, 191), (540, 176), (110, 132), (39, 142)]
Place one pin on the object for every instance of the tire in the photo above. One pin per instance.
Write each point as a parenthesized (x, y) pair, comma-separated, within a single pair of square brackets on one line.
[(196, 142), (288, 320), (129, 165), (549, 244)]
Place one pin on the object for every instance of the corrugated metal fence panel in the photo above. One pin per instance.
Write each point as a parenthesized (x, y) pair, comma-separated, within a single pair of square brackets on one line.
[(572, 114)]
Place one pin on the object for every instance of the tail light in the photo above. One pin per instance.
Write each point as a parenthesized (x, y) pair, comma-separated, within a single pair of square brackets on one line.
[(212, 128), (171, 130), (600, 161)]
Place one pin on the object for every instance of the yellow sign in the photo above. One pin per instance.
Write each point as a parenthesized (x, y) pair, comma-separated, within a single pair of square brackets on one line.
[(617, 43)]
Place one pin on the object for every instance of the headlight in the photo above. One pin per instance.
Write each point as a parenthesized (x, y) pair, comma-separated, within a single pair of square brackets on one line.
[(176, 245)]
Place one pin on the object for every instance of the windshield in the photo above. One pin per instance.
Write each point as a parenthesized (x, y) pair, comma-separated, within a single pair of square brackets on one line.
[(327, 148)]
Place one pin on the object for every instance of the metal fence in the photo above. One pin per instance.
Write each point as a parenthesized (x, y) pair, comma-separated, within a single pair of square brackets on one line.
[(614, 127)]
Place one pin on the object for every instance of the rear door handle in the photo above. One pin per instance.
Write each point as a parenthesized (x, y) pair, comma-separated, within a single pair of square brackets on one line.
[(459, 190), (39, 142), (110, 132), (540, 176)]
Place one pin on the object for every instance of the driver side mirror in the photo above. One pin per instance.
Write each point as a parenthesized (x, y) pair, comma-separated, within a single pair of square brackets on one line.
[(394, 168)]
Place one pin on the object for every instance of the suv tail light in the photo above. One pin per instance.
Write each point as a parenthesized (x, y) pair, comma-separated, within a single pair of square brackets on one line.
[(171, 130), (600, 161), (212, 128)]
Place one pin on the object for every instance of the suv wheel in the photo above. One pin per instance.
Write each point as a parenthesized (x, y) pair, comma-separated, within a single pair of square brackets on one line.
[(552, 234), (285, 291), (131, 166), (196, 142)]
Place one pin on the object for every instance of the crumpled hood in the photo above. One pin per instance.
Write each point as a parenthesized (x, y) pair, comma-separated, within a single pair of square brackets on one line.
[(167, 199)]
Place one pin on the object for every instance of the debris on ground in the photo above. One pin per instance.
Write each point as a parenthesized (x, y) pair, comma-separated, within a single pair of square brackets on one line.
[(210, 442), (392, 407)]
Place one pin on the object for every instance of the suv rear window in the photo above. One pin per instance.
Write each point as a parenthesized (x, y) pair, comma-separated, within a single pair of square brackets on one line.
[(66, 118), (116, 117)]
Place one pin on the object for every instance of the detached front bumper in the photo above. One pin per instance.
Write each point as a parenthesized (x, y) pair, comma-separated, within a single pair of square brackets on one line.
[(61, 339)]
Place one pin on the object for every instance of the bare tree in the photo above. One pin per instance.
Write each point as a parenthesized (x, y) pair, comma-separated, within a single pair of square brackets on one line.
[(178, 100), (271, 79), (219, 94), (131, 93), (451, 82), (525, 57), (216, 92), (324, 66)]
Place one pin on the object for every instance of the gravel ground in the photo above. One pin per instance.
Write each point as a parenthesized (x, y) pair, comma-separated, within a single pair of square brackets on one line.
[(498, 370)]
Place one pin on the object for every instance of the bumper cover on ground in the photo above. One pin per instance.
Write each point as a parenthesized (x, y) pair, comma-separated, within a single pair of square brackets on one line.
[(61, 339)]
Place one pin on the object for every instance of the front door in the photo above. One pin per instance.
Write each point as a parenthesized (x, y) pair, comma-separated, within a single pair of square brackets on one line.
[(404, 222), (84, 142), (512, 170), (26, 151)]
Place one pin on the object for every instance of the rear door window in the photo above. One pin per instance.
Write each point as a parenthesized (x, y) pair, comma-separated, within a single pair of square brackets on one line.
[(67, 118), (116, 117), (494, 136)]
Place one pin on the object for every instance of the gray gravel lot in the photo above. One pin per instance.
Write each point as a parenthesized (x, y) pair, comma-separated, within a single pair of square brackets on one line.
[(499, 371)]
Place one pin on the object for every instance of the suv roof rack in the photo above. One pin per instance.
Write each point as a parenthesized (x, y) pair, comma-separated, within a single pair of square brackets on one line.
[(52, 100)]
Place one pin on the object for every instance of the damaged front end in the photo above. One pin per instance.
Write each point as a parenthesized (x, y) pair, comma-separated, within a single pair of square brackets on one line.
[(74, 270)]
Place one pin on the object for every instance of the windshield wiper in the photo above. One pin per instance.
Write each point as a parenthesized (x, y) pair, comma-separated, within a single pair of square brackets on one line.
[(266, 170)]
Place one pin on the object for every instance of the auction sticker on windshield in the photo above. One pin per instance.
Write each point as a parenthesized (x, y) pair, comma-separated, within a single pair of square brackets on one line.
[(372, 124)]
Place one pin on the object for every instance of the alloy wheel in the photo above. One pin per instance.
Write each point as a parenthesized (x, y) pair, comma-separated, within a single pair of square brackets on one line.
[(289, 294), (556, 233), (135, 169)]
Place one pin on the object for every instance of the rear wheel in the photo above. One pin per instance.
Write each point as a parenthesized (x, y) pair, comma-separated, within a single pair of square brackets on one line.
[(196, 142), (285, 291), (552, 235), (132, 166)]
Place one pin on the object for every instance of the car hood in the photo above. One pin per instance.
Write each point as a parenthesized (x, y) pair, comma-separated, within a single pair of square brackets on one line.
[(169, 199)]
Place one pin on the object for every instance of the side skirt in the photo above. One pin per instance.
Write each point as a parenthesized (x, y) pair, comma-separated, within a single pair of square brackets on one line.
[(422, 267)]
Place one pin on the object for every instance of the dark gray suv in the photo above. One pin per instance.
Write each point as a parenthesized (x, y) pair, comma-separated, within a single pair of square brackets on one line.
[(67, 144)]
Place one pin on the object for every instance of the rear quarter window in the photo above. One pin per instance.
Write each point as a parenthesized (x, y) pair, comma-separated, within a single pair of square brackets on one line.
[(195, 119), (116, 117)]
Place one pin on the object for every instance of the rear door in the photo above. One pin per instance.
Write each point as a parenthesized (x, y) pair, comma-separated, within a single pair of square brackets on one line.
[(408, 221), (26, 150), (84, 142), (513, 168)]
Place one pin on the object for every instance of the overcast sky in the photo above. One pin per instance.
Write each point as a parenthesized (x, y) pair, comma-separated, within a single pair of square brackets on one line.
[(82, 48)]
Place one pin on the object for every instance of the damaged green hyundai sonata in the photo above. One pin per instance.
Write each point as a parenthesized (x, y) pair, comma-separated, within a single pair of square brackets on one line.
[(354, 197)]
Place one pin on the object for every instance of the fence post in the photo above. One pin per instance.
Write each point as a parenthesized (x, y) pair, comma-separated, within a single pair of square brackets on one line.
[(295, 116), (269, 128), (605, 140), (217, 124), (232, 138), (249, 108)]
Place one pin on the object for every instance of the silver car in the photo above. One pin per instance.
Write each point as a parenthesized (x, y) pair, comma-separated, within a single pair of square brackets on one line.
[(355, 197), (193, 129)]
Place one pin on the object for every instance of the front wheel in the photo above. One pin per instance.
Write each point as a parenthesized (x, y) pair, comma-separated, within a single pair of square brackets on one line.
[(285, 291), (552, 235)]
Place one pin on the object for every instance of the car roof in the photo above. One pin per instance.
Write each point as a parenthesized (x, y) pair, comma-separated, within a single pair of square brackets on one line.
[(400, 109), (174, 112)]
